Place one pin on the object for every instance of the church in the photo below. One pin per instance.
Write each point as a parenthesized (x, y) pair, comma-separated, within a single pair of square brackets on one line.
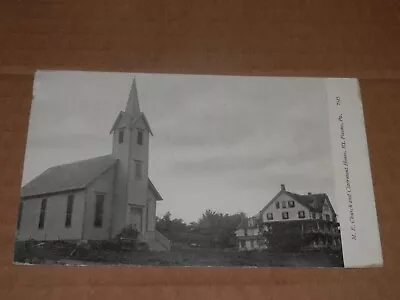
[(95, 199)]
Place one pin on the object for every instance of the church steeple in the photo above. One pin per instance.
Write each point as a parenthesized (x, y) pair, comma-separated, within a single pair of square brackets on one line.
[(132, 106)]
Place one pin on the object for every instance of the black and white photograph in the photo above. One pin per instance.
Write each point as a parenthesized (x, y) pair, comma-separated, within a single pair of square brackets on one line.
[(141, 169)]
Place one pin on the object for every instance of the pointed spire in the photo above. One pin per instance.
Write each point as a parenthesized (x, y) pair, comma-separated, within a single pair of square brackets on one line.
[(132, 106)]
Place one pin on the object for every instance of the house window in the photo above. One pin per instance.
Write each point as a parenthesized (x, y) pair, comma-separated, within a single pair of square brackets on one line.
[(138, 170), (270, 216), (99, 210), (313, 215), (291, 203), (121, 136), (277, 205), (245, 232), (139, 139), (21, 205), (242, 244), (328, 217), (70, 205), (42, 216), (283, 204), (302, 214), (285, 215)]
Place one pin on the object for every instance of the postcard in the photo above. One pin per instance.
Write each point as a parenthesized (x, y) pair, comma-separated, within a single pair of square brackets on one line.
[(148, 169)]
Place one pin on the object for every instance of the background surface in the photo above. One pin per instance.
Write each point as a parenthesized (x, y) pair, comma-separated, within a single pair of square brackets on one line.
[(265, 37)]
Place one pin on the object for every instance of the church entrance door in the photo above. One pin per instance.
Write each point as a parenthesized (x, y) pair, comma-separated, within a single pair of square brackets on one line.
[(135, 217)]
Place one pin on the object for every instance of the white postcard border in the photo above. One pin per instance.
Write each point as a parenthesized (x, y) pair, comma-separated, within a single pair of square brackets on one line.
[(354, 193)]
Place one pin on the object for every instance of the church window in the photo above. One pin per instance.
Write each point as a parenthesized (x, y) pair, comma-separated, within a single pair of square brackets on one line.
[(21, 205), (99, 210), (283, 204), (70, 205), (138, 170), (301, 214), (291, 203), (277, 205), (270, 216), (140, 137), (121, 136), (285, 215), (328, 217), (42, 215)]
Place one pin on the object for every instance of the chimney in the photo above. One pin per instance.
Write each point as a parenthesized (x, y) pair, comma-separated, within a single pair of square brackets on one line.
[(283, 187)]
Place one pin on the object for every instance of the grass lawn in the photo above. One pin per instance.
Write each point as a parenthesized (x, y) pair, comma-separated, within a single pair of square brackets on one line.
[(179, 257), (209, 257)]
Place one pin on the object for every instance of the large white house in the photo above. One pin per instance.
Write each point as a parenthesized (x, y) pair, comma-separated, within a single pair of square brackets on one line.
[(310, 216), (95, 199)]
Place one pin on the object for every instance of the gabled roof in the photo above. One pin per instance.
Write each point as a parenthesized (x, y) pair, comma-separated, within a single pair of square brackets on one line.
[(130, 121), (146, 123), (72, 177), (154, 190), (66, 177), (244, 224), (314, 202), (120, 115)]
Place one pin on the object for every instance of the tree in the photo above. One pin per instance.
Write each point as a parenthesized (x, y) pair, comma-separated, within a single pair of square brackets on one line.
[(213, 229)]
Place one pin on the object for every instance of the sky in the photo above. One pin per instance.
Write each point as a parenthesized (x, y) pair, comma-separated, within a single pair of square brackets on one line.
[(224, 143)]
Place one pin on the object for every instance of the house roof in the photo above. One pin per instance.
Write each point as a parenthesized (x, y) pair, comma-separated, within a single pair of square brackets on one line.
[(314, 202), (66, 177), (244, 224)]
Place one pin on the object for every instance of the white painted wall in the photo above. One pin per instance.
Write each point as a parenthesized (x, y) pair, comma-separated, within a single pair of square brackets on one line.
[(129, 190), (120, 152), (54, 224), (277, 212), (103, 184), (326, 210), (151, 211), (137, 189)]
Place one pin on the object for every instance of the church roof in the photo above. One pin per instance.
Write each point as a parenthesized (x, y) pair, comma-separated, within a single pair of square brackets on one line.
[(73, 176), (67, 177), (125, 120)]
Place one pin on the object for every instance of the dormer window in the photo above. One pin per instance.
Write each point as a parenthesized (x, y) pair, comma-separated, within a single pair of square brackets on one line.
[(121, 136), (139, 139)]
